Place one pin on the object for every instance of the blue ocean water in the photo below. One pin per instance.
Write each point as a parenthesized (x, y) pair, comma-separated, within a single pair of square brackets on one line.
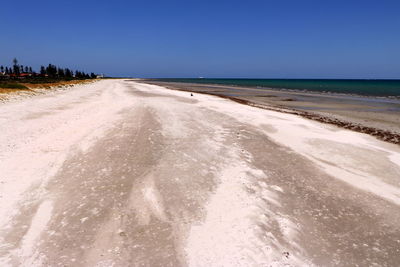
[(379, 88)]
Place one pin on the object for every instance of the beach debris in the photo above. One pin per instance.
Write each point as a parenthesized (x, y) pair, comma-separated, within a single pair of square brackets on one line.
[(121, 233)]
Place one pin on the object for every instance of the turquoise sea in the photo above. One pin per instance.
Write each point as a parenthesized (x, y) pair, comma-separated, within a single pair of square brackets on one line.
[(379, 88)]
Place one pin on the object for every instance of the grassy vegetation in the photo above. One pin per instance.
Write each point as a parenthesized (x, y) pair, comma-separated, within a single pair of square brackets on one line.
[(7, 87), (49, 83), (35, 80), (12, 85)]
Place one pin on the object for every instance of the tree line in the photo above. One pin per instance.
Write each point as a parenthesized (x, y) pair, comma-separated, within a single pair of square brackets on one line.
[(50, 71)]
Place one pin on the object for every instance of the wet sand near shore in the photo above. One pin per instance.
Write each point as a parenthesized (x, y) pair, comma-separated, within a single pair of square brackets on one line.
[(379, 117)]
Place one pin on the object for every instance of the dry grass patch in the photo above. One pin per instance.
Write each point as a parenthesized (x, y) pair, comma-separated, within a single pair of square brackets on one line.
[(16, 88), (9, 90)]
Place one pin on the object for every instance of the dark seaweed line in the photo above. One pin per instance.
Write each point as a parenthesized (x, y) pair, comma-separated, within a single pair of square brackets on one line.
[(384, 135)]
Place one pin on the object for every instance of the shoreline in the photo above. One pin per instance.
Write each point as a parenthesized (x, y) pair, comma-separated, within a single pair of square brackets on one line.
[(324, 92), (388, 135), (379, 133)]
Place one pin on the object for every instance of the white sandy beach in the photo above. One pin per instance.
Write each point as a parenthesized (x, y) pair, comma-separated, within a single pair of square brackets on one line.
[(121, 173)]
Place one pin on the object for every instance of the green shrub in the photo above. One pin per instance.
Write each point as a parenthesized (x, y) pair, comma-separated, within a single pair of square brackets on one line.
[(12, 85)]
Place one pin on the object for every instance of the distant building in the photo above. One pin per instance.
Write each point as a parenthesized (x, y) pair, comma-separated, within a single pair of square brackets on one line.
[(24, 75), (100, 76), (20, 75)]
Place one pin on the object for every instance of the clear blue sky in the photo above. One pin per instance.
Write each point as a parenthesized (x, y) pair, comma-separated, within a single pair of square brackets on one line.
[(265, 39)]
